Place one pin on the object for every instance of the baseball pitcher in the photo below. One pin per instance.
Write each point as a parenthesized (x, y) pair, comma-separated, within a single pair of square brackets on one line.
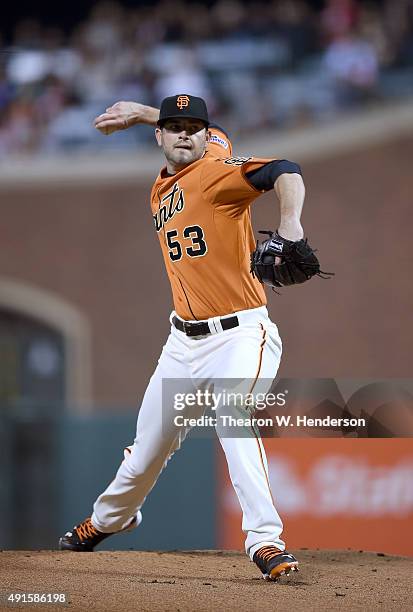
[(220, 327)]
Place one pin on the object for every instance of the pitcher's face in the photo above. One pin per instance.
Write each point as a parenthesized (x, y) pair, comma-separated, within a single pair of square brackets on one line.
[(183, 141)]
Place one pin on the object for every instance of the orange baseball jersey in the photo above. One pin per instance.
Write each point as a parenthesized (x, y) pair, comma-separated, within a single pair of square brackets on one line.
[(202, 217)]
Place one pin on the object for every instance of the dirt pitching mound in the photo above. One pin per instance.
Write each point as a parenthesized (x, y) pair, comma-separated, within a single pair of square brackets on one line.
[(207, 580)]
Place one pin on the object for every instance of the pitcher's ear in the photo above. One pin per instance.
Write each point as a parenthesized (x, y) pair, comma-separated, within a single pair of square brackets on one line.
[(158, 136)]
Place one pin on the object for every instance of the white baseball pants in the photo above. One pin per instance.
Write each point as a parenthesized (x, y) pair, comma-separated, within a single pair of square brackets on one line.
[(252, 352)]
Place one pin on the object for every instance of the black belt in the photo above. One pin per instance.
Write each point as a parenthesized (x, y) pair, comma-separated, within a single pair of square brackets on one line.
[(202, 328)]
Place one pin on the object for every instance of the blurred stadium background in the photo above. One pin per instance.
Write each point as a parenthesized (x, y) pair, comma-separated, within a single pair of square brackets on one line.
[(294, 62), (84, 301)]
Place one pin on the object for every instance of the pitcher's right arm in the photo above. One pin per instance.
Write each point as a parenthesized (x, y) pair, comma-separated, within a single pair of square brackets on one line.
[(123, 115)]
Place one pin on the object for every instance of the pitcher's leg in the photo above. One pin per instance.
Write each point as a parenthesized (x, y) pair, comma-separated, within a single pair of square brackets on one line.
[(157, 438), (249, 476), (257, 360)]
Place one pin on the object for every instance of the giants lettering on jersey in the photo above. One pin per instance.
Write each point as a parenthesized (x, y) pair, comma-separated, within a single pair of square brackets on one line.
[(172, 203)]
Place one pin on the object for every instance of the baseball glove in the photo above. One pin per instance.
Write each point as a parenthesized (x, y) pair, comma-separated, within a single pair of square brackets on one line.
[(298, 261)]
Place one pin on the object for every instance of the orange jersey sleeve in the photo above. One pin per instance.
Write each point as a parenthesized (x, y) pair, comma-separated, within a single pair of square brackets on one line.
[(225, 185)]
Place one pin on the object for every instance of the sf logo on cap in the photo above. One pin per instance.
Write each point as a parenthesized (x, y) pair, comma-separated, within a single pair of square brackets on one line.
[(182, 102)]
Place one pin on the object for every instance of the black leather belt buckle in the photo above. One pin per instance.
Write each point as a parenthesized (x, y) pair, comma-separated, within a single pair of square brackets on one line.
[(196, 329)]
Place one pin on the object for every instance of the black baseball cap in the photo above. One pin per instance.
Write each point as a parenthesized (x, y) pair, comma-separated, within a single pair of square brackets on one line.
[(183, 105)]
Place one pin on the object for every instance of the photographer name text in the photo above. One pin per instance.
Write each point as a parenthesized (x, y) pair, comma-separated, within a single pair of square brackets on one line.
[(226, 420)]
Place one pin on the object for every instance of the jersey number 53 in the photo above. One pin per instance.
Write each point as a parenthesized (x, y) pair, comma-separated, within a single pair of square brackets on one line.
[(197, 248)]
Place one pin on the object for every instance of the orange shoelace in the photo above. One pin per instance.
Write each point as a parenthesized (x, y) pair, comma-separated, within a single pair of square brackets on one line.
[(86, 530), (268, 552)]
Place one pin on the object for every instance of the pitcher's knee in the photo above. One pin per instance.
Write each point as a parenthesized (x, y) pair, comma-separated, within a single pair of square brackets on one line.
[(138, 465)]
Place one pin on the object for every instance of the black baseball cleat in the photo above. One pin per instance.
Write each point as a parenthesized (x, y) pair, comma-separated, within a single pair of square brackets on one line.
[(84, 537), (273, 563)]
